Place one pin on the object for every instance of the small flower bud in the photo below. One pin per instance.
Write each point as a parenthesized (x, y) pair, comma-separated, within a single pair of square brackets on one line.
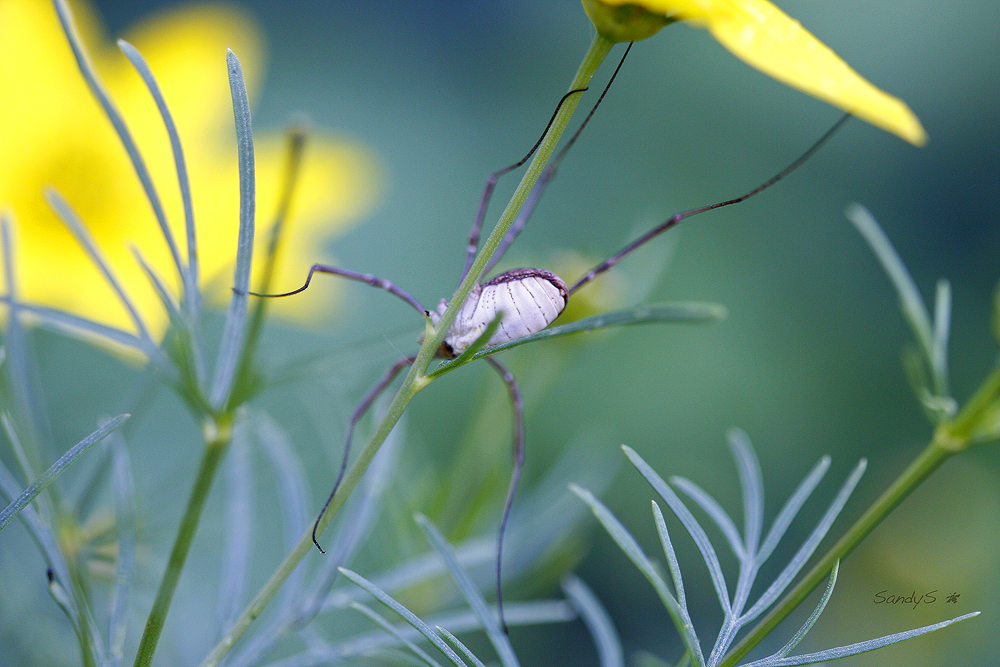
[(624, 23)]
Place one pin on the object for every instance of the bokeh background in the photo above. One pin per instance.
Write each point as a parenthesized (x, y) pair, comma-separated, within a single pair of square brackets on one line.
[(807, 362)]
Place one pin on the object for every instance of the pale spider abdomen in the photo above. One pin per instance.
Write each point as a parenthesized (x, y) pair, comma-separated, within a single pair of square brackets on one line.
[(529, 298)]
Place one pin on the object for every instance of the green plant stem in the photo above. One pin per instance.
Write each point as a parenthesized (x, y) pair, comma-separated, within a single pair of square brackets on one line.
[(958, 432), (973, 423), (416, 379), (926, 462), (950, 438), (215, 447), (84, 630)]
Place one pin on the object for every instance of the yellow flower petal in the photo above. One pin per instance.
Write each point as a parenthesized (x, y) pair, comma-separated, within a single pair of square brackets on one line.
[(52, 133), (766, 38)]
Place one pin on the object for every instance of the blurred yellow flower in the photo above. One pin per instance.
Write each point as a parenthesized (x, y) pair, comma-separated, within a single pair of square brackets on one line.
[(764, 37), (52, 133)]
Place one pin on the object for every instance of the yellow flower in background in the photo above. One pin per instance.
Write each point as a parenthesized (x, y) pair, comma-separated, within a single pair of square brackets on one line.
[(764, 37), (53, 133)]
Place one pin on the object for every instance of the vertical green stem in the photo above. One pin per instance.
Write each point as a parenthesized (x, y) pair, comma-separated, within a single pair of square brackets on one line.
[(599, 49), (83, 627), (416, 379), (215, 446)]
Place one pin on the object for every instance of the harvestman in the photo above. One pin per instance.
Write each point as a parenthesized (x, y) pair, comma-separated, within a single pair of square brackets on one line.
[(526, 300)]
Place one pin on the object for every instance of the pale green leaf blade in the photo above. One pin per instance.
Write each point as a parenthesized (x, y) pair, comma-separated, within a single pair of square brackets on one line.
[(597, 620), (471, 593), (57, 468), (854, 649), (408, 615)]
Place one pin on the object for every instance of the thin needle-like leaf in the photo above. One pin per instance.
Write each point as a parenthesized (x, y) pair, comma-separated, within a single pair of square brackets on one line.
[(740, 546), (158, 286), (50, 317), (75, 225), (97, 89), (60, 580), (913, 306), (474, 552), (457, 643), (58, 593), (236, 318), (627, 543), (39, 530), (752, 483), (768, 597), (27, 472), (296, 140), (58, 320), (942, 325), (689, 313), (408, 615), (381, 622), (7, 252), (854, 649), (57, 468), (715, 512), (672, 563), (597, 620), (682, 620), (124, 492), (14, 332), (791, 508), (471, 593), (192, 294), (24, 399), (517, 613), (694, 529), (813, 617)]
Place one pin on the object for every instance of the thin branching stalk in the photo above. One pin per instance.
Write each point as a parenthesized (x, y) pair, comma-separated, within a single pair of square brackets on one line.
[(217, 441), (232, 345), (975, 422), (949, 439), (218, 422)]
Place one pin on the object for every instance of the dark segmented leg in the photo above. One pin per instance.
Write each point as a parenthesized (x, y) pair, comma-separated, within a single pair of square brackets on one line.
[(367, 278), (677, 217), (491, 183), (517, 404), (355, 418), (536, 192)]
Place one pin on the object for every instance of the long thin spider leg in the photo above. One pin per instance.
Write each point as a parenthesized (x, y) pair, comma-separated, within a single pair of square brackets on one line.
[(677, 217), (355, 418), (518, 407), (536, 193), (367, 278), (491, 183)]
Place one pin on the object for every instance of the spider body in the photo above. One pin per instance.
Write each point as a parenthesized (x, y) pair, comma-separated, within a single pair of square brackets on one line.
[(530, 300)]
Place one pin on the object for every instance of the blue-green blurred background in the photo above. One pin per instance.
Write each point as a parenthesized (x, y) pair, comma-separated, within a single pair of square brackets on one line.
[(808, 361)]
